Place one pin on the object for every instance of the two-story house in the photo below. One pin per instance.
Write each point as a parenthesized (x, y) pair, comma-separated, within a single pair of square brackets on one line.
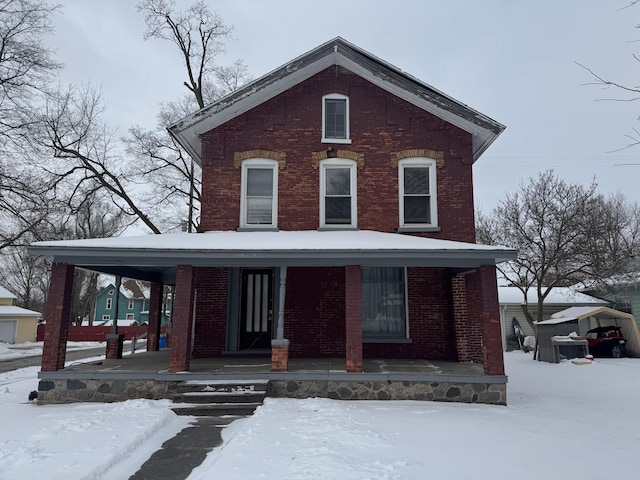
[(132, 304), (337, 221)]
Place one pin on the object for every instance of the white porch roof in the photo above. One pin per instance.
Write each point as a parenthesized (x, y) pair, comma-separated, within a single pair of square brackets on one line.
[(149, 256)]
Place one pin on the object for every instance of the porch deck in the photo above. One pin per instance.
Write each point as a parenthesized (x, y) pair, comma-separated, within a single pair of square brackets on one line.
[(146, 375)]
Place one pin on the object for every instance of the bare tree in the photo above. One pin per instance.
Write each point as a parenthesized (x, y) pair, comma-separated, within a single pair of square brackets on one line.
[(623, 92), (26, 69), (200, 36), (565, 233)]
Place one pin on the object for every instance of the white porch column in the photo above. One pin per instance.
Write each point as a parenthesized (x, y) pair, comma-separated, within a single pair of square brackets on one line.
[(280, 345)]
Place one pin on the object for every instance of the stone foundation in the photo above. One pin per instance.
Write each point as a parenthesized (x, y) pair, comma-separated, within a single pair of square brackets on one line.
[(490, 393), (115, 390)]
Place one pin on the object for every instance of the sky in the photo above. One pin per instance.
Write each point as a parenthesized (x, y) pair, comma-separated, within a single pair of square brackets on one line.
[(557, 416), (513, 61)]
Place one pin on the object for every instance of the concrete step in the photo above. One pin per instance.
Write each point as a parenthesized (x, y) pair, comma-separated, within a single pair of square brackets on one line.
[(219, 397), (229, 386), (217, 409)]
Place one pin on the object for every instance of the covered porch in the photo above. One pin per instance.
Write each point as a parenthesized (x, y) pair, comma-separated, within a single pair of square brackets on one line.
[(465, 272)]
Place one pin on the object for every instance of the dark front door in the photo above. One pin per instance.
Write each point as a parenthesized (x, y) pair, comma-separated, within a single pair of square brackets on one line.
[(256, 309)]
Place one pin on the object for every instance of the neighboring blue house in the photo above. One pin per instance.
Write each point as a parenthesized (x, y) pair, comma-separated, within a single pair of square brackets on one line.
[(133, 304)]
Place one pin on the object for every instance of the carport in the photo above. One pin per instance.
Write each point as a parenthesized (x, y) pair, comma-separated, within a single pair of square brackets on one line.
[(582, 319)]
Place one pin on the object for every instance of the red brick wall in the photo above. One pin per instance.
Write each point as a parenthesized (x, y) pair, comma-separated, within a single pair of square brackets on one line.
[(380, 124), (314, 312), (430, 319), (315, 316), (211, 312)]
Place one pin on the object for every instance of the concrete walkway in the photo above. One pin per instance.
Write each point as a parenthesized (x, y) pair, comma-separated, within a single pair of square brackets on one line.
[(179, 455)]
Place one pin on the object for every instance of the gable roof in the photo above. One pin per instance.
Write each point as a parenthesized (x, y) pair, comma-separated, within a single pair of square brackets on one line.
[(339, 52), (4, 293)]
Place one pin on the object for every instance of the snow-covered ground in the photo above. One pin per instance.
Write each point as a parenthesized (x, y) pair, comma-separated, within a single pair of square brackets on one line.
[(563, 421), (10, 351)]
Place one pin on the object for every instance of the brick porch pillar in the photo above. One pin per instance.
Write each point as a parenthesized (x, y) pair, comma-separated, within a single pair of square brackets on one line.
[(56, 330), (353, 317), (492, 356), (182, 319), (461, 318), (155, 308)]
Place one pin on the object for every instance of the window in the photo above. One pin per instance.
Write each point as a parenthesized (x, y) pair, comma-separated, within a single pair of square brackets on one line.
[(130, 316), (130, 304), (335, 118), (109, 303), (338, 192), (417, 189), (106, 317), (259, 196), (384, 311)]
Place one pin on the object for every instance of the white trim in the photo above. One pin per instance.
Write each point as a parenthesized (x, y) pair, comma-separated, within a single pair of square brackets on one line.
[(433, 190), (130, 316), (264, 163), (106, 317), (130, 304), (347, 134), (339, 163), (109, 303)]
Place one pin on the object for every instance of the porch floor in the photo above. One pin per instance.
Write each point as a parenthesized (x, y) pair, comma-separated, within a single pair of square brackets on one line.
[(157, 363), (146, 375)]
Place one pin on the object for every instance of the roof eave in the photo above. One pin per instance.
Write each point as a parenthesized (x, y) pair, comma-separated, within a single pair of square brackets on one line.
[(483, 129)]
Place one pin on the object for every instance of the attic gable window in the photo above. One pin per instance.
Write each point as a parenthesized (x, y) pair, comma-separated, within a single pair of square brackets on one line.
[(417, 193), (259, 194), (335, 118)]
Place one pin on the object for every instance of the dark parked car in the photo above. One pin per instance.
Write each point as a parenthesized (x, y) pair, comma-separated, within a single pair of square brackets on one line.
[(607, 342)]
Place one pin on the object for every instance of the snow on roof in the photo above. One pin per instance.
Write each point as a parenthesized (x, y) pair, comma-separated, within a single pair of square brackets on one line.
[(13, 311), (306, 240), (337, 51), (557, 296), (4, 293), (577, 312)]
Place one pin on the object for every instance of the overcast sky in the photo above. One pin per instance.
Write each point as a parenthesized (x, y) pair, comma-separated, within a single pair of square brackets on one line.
[(512, 60)]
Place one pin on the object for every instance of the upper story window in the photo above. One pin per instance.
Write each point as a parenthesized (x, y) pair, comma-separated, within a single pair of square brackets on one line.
[(417, 190), (338, 193), (335, 118), (259, 194), (130, 304), (109, 303)]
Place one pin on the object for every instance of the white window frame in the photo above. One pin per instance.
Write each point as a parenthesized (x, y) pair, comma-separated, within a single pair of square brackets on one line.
[(339, 163), (336, 96), (266, 164), (106, 317), (109, 303), (130, 304), (130, 316), (433, 188), (111, 292)]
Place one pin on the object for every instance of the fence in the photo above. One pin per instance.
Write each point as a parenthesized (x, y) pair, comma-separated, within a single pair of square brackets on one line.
[(96, 334)]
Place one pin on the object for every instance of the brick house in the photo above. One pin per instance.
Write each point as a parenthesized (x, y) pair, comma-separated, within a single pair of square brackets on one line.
[(337, 221)]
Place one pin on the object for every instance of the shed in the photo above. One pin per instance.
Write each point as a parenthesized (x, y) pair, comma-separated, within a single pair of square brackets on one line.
[(580, 320)]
